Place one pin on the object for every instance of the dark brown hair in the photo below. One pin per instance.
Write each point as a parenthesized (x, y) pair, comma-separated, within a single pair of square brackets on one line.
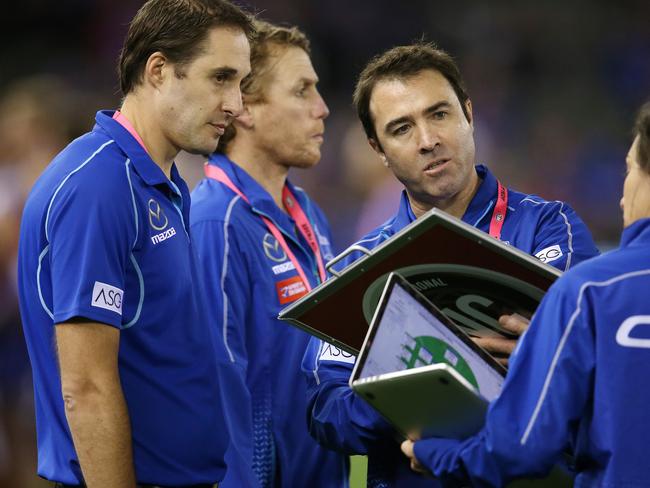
[(642, 130), (177, 29), (269, 41), (403, 62)]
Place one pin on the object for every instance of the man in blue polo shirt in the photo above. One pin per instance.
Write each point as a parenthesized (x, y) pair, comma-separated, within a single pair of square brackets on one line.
[(125, 376), (418, 118), (263, 244), (580, 375)]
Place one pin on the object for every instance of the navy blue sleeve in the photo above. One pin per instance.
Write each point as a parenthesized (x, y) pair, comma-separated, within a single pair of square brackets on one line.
[(91, 228), (562, 239), (337, 417), (545, 394)]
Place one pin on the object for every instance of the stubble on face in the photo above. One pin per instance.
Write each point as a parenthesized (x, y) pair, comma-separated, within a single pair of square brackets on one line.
[(289, 121), (204, 97), (425, 137)]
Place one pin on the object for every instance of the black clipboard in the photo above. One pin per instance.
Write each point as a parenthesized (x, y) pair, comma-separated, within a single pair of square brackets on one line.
[(443, 258)]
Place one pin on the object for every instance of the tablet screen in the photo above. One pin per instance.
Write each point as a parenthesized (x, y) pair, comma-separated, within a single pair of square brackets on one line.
[(411, 332)]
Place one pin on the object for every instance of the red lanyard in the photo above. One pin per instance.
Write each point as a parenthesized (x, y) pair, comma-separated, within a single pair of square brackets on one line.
[(296, 212), (500, 209)]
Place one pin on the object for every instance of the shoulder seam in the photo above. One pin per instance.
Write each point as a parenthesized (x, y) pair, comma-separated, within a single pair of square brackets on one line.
[(563, 340), (58, 188)]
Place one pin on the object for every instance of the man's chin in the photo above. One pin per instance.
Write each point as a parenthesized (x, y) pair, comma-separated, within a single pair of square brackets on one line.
[(204, 149), (304, 164), (307, 161)]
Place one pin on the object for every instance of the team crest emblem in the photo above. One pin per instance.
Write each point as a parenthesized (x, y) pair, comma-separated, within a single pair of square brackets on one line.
[(157, 218), (272, 249)]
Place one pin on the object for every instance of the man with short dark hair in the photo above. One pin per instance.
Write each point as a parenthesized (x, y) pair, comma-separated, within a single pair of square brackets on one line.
[(418, 118), (580, 375), (125, 375), (263, 244)]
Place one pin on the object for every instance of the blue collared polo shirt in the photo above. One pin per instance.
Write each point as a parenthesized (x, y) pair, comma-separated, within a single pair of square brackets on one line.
[(340, 419), (104, 237)]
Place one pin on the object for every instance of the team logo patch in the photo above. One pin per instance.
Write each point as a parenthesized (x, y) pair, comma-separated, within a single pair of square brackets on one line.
[(549, 254), (273, 249), (290, 290), (107, 297), (333, 353), (157, 218)]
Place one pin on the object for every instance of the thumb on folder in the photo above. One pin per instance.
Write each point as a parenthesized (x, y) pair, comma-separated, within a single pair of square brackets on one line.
[(500, 347)]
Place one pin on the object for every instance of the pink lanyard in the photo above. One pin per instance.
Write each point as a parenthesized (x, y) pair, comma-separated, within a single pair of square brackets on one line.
[(124, 122), (500, 209), (296, 212)]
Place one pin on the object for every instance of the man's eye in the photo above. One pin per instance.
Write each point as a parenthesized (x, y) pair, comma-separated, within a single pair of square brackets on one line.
[(440, 115), (301, 91), (402, 129)]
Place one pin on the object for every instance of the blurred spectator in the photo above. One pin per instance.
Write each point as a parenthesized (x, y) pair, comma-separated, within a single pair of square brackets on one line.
[(38, 117)]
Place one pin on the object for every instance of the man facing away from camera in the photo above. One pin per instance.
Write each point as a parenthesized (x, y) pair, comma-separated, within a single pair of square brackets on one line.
[(126, 380), (418, 117), (263, 244)]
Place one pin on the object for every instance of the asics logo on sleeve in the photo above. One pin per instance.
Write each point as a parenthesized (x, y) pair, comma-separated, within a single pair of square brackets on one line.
[(107, 297), (333, 353), (549, 254)]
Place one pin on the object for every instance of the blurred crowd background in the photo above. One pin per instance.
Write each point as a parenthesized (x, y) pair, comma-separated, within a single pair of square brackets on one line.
[(554, 84)]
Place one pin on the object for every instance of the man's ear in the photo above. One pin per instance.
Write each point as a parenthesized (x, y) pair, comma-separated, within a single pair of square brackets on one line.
[(156, 69), (377, 148), (245, 119), (468, 110)]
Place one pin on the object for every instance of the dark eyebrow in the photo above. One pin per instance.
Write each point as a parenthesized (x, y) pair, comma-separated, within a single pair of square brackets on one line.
[(433, 108), (224, 71)]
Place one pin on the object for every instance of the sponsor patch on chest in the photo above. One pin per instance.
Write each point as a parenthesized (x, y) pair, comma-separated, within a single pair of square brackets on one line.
[(283, 268), (290, 290), (107, 297), (163, 236)]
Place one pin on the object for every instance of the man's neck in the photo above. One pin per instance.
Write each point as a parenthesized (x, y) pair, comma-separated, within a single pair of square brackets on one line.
[(455, 205), (271, 175), (161, 151)]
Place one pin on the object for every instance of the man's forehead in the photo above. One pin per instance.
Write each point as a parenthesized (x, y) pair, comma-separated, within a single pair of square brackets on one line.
[(226, 46), (396, 96), (295, 63)]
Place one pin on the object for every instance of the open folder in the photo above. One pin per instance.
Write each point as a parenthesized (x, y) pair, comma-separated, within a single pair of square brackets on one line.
[(472, 277), (425, 375)]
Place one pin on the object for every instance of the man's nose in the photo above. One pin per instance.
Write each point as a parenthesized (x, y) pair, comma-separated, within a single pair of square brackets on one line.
[(428, 139), (233, 104)]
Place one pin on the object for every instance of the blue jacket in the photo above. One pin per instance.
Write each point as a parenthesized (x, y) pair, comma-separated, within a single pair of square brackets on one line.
[(249, 279), (341, 420), (580, 376)]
